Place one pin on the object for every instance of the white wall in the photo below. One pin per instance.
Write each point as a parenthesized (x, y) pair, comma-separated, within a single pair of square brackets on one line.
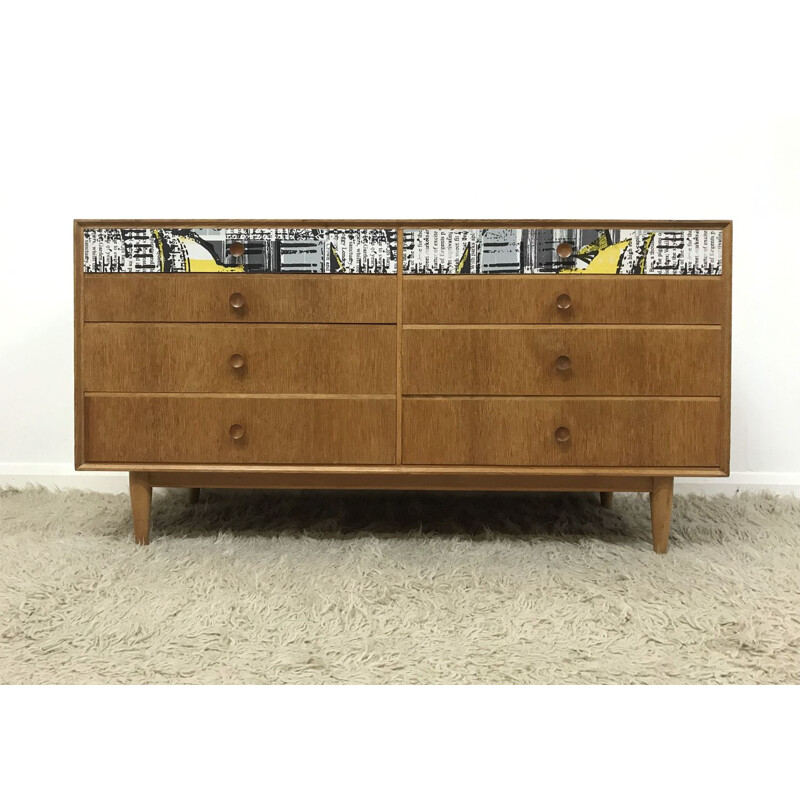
[(427, 109)]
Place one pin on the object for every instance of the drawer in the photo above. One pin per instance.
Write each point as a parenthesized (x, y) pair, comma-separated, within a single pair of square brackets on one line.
[(596, 432), (196, 249), (558, 299), (563, 360), (240, 358), (239, 298), (498, 251), (191, 429)]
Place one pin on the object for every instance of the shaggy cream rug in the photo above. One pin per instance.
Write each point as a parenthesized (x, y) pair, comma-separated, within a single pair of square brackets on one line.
[(297, 587)]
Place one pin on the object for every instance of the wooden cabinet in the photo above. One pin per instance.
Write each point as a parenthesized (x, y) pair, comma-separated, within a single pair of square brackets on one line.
[(466, 354)]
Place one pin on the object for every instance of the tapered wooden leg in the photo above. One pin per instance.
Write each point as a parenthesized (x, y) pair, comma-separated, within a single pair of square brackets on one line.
[(661, 512), (141, 497), (606, 499), (194, 496)]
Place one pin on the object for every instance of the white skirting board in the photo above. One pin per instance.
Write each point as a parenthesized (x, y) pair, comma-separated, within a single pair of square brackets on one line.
[(63, 476)]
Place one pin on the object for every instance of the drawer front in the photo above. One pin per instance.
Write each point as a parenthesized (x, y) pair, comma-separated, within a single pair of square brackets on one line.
[(239, 358), (562, 299), (186, 429), (563, 360), (193, 250), (550, 251), (240, 298), (564, 432)]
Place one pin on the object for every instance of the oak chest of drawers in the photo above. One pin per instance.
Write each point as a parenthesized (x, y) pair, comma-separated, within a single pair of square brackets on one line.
[(420, 354)]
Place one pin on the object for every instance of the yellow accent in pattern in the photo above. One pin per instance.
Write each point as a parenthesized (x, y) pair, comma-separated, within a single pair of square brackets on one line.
[(338, 261), (608, 256), (209, 265), (198, 258), (606, 262), (160, 243), (598, 245), (464, 259)]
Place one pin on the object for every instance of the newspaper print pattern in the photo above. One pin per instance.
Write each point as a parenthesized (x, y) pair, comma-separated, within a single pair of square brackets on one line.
[(287, 250), (491, 251)]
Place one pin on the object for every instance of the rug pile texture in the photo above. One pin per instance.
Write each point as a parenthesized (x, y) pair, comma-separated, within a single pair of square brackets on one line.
[(296, 587)]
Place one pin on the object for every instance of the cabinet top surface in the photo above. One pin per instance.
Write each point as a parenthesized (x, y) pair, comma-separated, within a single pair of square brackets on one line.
[(402, 223)]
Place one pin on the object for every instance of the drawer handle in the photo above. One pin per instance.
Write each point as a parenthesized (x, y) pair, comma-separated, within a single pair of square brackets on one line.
[(237, 249), (563, 302), (563, 435), (564, 250), (237, 300), (237, 360), (563, 363), (236, 431)]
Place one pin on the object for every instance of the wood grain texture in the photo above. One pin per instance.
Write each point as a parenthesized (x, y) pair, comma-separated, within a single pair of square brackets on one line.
[(609, 432), (600, 360), (727, 327), (403, 479), (661, 512), (267, 298), (389, 300), (277, 430), (399, 350), (521, 299), (655, 224), (378, 472), (280, 359), (77, 279), (141, 491)]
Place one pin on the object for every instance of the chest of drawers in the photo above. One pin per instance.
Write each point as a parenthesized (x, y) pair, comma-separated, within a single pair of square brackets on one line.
[(403, 354)]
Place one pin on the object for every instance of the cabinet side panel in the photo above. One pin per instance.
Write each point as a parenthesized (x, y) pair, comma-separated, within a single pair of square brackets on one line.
[(727, 332), (399, 351), (77, 247)]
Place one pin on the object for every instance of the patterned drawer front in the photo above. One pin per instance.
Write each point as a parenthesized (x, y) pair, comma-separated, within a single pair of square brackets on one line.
[(240, 298), (562, 299), (259, 250), (574, 360), (258, 359), (550, 251), (563, 432), (187, 429)]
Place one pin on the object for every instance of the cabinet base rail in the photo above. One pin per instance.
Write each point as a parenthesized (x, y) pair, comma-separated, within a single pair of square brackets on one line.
[(660, 488)]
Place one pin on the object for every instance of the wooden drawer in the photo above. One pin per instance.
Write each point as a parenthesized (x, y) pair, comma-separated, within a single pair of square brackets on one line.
[(279, 359), (191, 429), (563, 360), (621, 299), (521, 431), (263, 298)]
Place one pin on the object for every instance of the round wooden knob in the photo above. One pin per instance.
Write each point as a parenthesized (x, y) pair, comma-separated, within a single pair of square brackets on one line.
[(236, 249), (237, 300), (564, 250), (563, 363), (562, 435), (563, 302), (237, 361), (236, 431)]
